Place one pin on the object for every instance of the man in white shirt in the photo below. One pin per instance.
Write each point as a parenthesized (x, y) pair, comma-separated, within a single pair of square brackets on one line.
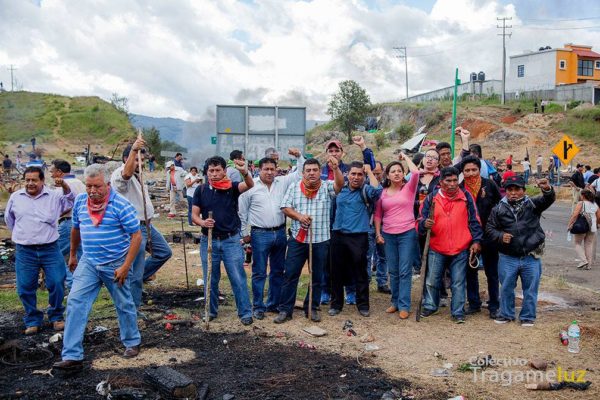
[(61, 169), (538, 164), (175, 185), (260, 213), (192, 181), (526, 169), (125, 180)]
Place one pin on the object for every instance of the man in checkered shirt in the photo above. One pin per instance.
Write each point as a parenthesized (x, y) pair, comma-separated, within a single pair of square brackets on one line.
[(308, 204)]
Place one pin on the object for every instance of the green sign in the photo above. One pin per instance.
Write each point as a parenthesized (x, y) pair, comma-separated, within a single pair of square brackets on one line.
[(213, 140)]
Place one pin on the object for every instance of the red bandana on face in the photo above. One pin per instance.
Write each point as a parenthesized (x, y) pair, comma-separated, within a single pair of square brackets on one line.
[(96, 210)]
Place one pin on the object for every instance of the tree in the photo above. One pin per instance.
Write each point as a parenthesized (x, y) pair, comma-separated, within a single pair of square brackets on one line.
[(121, 103), (349, 106), (152, 138)]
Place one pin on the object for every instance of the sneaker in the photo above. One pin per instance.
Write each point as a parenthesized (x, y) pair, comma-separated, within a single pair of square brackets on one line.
[(384, 289), (494, 314), (470, 311), (458, 320), (364, 313), (351, 299), (282, 317), (428, 313), (247, 321), (333, 312), (315, 316), (502, 320), (582, 265), (259, 315), (526, 322), (444, 302), (325, 298), (210, 318)]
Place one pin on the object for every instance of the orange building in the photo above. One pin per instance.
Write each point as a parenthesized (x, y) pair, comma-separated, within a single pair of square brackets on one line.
[(576, 64)]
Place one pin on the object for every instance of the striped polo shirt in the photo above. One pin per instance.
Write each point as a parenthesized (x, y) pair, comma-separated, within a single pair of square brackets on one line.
[(109, 241)]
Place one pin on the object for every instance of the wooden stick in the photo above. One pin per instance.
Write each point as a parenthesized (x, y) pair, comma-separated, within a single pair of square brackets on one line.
[(184, 254), (146, 220), (310, 271), (208, 276), (424, 263)]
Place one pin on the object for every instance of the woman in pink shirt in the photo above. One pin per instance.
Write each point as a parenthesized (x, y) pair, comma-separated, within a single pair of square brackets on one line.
[(395, 227)]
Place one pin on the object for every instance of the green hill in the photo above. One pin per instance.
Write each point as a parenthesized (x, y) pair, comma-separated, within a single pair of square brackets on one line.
[(60, 120)]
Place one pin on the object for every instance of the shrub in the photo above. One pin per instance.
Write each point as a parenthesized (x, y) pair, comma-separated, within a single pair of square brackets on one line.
[(572, 104), (380, 140)]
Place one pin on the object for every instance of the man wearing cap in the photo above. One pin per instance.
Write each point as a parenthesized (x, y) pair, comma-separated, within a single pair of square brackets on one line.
[(514, 225), (175, 185), (126, 181), (334, 148)]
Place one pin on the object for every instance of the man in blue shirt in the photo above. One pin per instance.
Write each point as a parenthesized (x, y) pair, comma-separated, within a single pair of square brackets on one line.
[(107, 226), (349, 239)]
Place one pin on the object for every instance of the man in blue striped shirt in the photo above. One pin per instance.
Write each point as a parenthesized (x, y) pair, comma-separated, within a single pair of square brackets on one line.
[(107, 226)]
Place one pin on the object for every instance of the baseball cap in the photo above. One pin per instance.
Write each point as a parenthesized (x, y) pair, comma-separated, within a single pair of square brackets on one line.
[(335, 142), (514, 181), (169, 164)]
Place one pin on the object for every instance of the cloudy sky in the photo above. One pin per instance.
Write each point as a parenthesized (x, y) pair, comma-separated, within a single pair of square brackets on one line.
[(180, 58)]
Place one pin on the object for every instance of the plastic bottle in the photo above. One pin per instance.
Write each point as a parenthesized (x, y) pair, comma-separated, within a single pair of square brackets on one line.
[(302, 233), (248, 250), (569, 236), (574, 335)]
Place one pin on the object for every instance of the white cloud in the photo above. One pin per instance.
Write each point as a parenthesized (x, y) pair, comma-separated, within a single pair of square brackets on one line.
[(180, 58)]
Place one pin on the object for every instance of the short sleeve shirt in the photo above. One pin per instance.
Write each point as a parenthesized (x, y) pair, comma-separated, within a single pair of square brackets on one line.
[(223, 204)]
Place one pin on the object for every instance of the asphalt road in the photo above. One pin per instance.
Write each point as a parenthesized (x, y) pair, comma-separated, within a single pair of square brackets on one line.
[(560, 258)]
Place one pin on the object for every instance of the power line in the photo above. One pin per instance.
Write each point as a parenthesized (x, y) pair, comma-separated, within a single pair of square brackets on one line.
[(559, 20), (557, 29), (504, 35), (405, 56)]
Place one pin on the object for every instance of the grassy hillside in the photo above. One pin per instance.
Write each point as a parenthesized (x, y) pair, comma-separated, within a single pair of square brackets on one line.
[(51, 117)]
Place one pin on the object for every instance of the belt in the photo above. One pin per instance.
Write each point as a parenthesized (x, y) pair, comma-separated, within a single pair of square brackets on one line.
[(223, 235), (39, 245), (63, 219), (276, 228)]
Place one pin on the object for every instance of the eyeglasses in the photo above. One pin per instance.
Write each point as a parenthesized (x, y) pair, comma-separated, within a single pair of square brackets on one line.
[(432, 157)]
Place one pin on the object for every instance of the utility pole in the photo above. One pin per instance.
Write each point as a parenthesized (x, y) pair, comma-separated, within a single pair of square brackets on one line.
[(504, 35), (403, 54), (12, 81)]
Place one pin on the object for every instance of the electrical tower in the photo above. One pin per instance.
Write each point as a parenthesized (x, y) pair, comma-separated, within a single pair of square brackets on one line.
[(403, 54), (504, 35), (12, 80)]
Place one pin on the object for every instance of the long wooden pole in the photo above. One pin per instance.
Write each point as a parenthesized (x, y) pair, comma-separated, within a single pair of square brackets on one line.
[(141, 174), (187, 281), (310, 271), (208, 276), (424, 263)]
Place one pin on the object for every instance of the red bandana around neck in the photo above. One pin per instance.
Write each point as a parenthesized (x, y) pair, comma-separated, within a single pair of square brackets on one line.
[(310, 191), (223, 184), (96, 210)]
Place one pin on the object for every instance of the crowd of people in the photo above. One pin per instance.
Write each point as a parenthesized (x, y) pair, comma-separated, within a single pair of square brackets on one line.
[(347, 219)]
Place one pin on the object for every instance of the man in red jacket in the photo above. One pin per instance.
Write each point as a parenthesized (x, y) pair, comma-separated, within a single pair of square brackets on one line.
[(455, 234)]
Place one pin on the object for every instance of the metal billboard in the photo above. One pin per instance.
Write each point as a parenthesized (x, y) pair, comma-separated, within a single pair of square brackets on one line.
[(253, 129)]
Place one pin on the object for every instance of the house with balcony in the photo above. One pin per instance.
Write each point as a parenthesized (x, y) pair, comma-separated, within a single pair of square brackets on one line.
[(564, 74)]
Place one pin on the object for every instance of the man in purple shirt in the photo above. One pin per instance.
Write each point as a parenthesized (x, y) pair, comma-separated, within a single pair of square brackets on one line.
[(32, 214)]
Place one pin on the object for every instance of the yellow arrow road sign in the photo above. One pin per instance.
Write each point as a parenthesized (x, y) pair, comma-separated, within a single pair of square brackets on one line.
[(565, 149)]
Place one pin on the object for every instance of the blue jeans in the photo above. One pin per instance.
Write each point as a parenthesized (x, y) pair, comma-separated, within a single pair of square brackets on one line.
[(29, 260), (189, 199), (267, 245), (529, 269), (376, 255), (399, 250), (297, 255), (526, 176), (143, 268), (231, 252), (87, 281), (457, 264), (64, 242)]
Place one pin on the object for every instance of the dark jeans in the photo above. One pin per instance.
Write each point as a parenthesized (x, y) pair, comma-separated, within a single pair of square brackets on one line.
[(267, 246), (349, 264), (489, 256), (297, 255), (326, 280), (189, 199)]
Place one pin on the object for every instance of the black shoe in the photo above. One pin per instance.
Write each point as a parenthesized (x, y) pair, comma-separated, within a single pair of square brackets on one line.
[(502, 320), (364, 313), (68, 364), (458, 320), (333, 312), (315, 317), (259, 315), (282, 317), (494, 314), (526, 322), (273, 310), (247, 321), (470, 311), (428, 313), (384, 289)]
